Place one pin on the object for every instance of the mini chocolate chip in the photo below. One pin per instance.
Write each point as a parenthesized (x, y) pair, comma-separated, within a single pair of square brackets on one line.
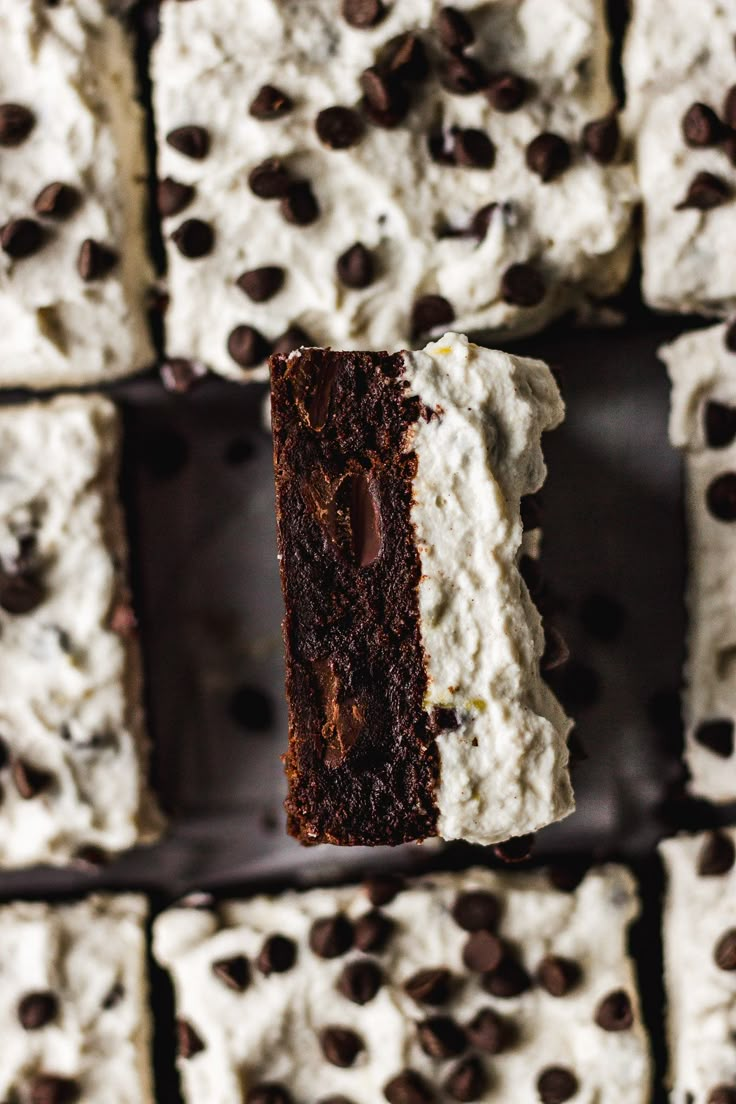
[(29, 781), (614, 1013), (172, 196), (556, 1084), (233, 972), (719, 422), (717, 855), (20, 592), (716, 735), (340, 1046), (383, 888), (454, 29), (721, 497), (16, 123), (261, 284), (299, 206), (705, 192), (21, 237), (379, 88), (408, 1087), (277, 955), (463, 76), (517, 849), (430, 986), (430, 312), (189, 1042), (194, 238), (728, 145), (289, 340), (473, 149), (46, 1088), (363, 13), (406, 58), (247, 346), (602, 616), (481, 220), (441, 1037), (396, 111), (270, 103), (724, 954), (339, 127), (372, 931), (507, 91), (509, 979), (36, 1010), (56, 200), (488, 1031), (95, 260), (332, 936), (114, 997), (476, 911), (360, 981), (548, 155), (722, 1094), (601, 138), (467, 1081), (270, 179), (701, 126), (522, 286), (482, 952), (180, 375), (558, 975), (269, 1092), (192, 141), (355, 267)]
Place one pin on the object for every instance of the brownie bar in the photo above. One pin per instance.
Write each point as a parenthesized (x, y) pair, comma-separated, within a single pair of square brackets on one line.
[(413, 647)]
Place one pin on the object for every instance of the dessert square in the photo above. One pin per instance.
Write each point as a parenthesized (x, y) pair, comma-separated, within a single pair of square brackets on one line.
[(74, 276), (681, 109), (700, 959), (73, 755), (474, 986), (702, 366), (363, 174), (74, 1002), (413, 647)]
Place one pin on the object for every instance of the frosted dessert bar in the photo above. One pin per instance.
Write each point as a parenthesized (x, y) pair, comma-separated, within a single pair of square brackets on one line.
[(681, 109), (364, 174), (74, 1002), (700, 966), (73, 757), (74, 276), (702, 366), (413, 647), (470, 987)]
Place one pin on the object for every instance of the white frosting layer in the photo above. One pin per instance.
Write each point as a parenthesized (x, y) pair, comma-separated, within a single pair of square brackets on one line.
[(503, 772), (702, 369), (673, 60), (212, 58), (71, 65), (69, 685), (89, 955), (269, 1032), (701, 997)]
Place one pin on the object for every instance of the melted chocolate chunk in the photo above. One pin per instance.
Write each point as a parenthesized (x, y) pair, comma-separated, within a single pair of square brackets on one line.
[(21, 237), (172, 196), (191, 141), (270, 103), (57, 200), (556, 1084), (615, 1013), (548, 155), (717, 856), (261, 284), (340, 1046), (16, 123)]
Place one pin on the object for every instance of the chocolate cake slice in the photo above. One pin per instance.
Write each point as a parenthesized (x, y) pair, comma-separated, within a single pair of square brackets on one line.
[(416, 703)]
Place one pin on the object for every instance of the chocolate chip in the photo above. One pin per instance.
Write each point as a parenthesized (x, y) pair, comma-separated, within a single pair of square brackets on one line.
[(173, 196), (339, 127), (430, 312), (360, 981), (517, 849), (467, 1081), (728, 145), (95, 260), (431, 986), (719, 423), (299, 206), (379, 88), (722, 1094), (20, 592), (558, 975), (717, 855), (16, 123), (441, 1037), (383, 888), (473, 149), (192, 141), (340, 1046), (406, 58), (482, 952), (729, 107), (332, 936), (720, 497), (270, 179), (363, 13), (701, 126), (481, 220), (270, 103), (724, 954), (247, 346), (289, 340), (189, 1042), (705, 192), (476, 911), (355, 267), (269, 1092), (180, 375), (488, 1031), (233, 972), (507, 91), (408, 1087), (261, 284), (372, 931), (194, 238), (463, 76), (454, 29), (716, 735), (522, 286), (56, 200), (29, 781), (556, 1084), (601, 139), (46, 1088), (614, 1013), (277, 955), (114, 997), (36, 1010), (548, 155), (509, 979), (21, 237)]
